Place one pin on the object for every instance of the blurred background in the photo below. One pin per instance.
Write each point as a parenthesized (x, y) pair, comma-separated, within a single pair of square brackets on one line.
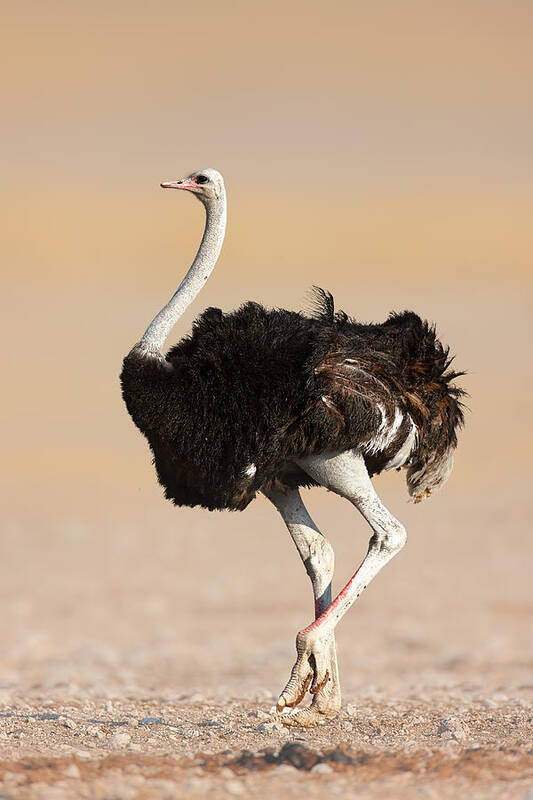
[(380, 150)]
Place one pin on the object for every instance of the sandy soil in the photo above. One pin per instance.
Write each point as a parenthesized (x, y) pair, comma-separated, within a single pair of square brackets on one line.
[(142, 659)]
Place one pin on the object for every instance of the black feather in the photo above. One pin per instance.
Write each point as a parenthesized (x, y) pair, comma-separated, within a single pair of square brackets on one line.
[(266, 387)]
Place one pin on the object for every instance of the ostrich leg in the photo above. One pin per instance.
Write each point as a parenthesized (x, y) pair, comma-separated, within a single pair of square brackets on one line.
[(345, 474), (318, 558)]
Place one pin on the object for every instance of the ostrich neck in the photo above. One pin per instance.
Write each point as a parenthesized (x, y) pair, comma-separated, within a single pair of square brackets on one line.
[(200, 270)]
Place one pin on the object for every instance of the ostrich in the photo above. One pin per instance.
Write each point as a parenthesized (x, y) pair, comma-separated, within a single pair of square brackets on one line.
[(268, 401)]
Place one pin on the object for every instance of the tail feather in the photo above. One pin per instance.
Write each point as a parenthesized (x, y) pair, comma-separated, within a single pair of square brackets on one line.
[(425, 477), (322, 307), (372, 371)]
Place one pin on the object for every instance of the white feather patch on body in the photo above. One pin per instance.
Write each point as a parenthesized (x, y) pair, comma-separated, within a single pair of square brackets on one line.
[(250, 470), (385, 433), (411, 440)]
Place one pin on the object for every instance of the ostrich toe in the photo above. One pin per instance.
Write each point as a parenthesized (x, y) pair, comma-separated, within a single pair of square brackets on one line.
[(315, 669)]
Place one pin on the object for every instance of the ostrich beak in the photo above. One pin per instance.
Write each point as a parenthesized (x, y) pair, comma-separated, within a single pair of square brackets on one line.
[(183, 184)]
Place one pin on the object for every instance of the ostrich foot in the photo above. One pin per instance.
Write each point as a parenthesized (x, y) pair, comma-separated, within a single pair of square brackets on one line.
[(324, 707), (315, 669)]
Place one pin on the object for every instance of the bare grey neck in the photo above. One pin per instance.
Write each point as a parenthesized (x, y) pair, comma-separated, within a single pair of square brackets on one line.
[(206, 258)]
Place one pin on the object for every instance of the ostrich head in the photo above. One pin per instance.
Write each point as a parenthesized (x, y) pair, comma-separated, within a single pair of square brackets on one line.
[(206, 184)]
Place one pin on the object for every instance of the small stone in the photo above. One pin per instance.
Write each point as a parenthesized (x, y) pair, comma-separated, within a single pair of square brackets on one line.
[(54, 792), (452, 745), (226, 772), (167, 790), (351, 710), (71, 771), (322, 769), (119, 740), (283, 769), (83, 754), (14, 777), (334, 788), (346, 726), (198, 785), (270, 727), (120, 791), (69, 723), (338, 756), (235, 788), (136, 780), (299, 756), (452, 728), (94, 730)]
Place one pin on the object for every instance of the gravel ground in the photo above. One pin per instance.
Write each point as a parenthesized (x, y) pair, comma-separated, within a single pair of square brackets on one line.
[(141, 657), (164, 749)]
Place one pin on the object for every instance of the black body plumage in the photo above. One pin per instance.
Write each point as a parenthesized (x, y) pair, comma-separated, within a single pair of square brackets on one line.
[(235, 404)]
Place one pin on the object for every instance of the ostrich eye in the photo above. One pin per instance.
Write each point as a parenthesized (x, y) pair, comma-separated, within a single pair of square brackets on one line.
[(202, 179)]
